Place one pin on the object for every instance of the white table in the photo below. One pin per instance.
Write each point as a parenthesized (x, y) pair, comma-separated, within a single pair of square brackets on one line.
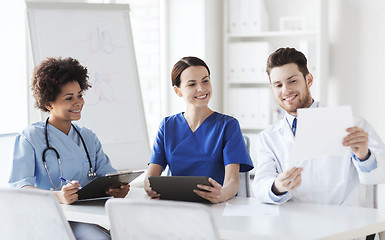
[(295, 220)]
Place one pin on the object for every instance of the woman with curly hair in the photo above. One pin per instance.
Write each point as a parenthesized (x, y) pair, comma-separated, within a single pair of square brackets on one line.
[(56, 148)]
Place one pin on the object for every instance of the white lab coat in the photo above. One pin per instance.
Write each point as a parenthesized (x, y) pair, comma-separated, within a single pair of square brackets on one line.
[(334, 180)]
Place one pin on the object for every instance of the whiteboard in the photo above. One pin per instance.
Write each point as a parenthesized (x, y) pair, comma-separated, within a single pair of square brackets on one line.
[(100, 37)]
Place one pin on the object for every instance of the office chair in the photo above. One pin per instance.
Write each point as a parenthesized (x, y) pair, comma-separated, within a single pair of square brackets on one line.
[(7, 142), (160, 219), (244, 177), (32, 214)]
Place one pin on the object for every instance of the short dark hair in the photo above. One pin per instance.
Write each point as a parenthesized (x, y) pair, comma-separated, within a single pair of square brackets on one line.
[(182, 64), (283, 56), (51, 74)]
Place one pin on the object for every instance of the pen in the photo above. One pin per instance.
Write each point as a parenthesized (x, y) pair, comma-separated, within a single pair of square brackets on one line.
[(68, 181), (300, 163)]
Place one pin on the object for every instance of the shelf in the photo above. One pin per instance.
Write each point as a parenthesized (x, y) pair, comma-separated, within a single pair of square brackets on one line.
[(251, 130), (249, 85), (273, 34), (251, 32)]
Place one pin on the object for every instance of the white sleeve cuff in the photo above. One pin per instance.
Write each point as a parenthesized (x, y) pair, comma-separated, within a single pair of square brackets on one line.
[(368, 165), (281, 198)]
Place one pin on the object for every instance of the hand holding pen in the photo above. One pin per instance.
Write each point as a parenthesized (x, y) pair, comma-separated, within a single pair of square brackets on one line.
[(69, 182), (68, 193)]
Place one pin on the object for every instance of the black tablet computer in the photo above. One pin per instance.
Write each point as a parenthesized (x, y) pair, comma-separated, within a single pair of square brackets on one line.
[(178, 188), (96, 189)]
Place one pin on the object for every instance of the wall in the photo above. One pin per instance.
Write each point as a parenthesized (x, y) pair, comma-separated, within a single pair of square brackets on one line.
[(145, 23), (13, 66), (357, 51), (192, 28)]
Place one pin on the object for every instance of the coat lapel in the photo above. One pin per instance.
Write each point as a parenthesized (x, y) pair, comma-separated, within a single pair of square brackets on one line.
[(284, 130)]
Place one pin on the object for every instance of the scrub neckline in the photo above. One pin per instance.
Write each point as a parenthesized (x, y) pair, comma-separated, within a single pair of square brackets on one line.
[(185, 120)]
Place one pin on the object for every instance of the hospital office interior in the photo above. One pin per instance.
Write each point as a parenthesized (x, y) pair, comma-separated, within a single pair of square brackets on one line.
[(344, 38)]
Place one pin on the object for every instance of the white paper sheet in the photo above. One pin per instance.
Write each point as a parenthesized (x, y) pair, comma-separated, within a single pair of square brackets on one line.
[(251, 210), (320, 131)]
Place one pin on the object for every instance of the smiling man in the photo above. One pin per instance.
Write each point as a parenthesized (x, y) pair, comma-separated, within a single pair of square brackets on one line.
[(341, 180)]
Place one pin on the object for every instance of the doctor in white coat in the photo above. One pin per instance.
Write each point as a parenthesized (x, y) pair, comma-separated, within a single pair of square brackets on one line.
[(340, 180)]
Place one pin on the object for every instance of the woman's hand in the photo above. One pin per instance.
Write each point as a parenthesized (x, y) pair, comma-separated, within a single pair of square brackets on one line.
[(68, 193), (153, 170), (151, 193), (217, 193), (213, 194), (119, 192)]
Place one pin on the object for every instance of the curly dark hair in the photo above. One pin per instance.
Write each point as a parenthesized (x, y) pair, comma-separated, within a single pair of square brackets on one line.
[(51, 74)]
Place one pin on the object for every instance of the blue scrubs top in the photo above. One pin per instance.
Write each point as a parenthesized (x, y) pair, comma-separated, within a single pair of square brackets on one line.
[(28, 167), (217, 142)]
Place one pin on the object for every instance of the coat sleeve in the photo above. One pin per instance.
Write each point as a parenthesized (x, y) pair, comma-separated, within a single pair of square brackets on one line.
[(377, 149), (267, 171)]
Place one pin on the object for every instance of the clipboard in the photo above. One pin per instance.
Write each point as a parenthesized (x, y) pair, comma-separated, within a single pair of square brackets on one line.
[(96, 189), (179, 188)]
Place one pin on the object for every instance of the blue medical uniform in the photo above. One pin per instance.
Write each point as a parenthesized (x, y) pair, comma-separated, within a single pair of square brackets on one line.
[(28, 167), (218, 141)]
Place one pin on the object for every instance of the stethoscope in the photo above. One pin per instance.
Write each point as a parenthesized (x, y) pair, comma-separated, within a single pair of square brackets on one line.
[(91, 173)]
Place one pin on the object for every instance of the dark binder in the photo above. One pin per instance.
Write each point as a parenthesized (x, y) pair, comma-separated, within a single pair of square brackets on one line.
[(96, 189)]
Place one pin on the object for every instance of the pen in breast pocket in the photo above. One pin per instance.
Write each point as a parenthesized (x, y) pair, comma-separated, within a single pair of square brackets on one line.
[(68, 181)]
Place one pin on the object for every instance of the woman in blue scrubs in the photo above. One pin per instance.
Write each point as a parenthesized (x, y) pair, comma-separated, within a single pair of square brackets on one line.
[(58, 86), (199, 141)]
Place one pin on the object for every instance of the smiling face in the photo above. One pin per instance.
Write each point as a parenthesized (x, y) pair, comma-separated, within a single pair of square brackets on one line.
[(195, 86), (68, 104), (291, 90)]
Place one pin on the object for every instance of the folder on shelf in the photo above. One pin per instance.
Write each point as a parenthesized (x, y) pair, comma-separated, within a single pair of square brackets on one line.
[(244, 15), (252, 108), (234, 18), (258, 17), (247, 62), (247, 16)]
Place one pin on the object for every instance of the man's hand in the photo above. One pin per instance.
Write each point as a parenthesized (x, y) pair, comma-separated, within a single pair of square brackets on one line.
[(287, 181), (357, 140)]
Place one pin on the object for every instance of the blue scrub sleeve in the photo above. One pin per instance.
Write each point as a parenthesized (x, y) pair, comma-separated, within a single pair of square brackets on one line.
[(235, 150), (158, 155), (23, 165)]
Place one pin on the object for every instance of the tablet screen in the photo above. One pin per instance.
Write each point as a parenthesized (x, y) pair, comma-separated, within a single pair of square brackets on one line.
[(178, 188)]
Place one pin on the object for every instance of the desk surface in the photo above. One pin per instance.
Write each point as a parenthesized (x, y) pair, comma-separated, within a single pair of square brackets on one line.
[(293, 221)]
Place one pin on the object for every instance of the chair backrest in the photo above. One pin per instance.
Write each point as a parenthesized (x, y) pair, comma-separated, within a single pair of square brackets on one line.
[(160, 219), (7, 142), (244, 177), (32, 214)]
